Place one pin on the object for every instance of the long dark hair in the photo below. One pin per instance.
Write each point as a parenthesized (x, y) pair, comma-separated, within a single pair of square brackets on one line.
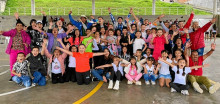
[(135, 35), (53, 53), (214, 27), (74, 35), (183, 68), (132, 57), (109, 56)]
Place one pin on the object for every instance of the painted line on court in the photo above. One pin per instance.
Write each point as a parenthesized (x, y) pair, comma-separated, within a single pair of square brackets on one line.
[(90, 93), (5, 70), (15, 91)]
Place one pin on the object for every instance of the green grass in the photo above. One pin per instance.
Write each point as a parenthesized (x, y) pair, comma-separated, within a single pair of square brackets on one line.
[(57, 7)]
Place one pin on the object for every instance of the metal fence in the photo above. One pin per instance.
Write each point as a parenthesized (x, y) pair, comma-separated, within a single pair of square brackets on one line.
[(98, 11)]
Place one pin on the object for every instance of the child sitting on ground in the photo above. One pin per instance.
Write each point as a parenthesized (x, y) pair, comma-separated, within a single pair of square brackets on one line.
[(181, 71), (150, 71), (37, 69), (20, 70)]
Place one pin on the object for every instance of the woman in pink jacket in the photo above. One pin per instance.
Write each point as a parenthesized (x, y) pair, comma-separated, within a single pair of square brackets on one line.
[(19, 42)]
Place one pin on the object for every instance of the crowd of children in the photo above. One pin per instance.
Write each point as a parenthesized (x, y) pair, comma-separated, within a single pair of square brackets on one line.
[(83, 51)]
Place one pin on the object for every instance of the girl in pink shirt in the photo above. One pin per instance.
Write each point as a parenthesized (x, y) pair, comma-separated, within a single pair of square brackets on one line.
[(148, 40), (76, 39), (159, 41)]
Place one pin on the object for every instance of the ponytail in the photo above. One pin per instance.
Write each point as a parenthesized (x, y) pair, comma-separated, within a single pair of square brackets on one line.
[(184, 71), (178, 69)]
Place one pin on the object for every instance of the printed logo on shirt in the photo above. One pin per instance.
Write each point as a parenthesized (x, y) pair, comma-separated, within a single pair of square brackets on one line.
[(56, 66)]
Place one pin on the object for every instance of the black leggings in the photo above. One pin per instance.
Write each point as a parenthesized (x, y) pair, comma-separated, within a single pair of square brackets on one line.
[(116, 75), (70, 74), (179, 87), (57, 78), (83, 77)]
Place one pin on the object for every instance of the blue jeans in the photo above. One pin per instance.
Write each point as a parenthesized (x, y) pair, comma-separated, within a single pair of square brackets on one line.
[(200, 51), (119, 51), (151, 77), (26, 80), (39, 79), (168, 76), (104, 47), (98, 74)]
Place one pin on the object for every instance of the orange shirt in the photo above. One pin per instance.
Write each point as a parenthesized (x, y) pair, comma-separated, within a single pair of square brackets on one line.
[(82, 61)]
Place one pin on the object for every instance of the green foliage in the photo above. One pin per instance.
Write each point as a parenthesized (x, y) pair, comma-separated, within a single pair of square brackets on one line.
[(57, 7)]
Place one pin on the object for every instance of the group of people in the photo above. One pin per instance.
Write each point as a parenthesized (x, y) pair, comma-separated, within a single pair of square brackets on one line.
[(84, 50)]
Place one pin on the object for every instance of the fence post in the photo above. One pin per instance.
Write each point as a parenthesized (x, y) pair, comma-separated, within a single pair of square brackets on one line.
[(64, 11), (57, 11), (9, 11), (169, 10), (24, 11), (101, 11), (145, 11), (78, 11), (49, 11), (177, 11), (185, 11)]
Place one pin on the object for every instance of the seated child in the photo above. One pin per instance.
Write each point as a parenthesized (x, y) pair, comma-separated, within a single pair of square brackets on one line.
[(150, 71), (179, 84), (20, 70), (37, 69)]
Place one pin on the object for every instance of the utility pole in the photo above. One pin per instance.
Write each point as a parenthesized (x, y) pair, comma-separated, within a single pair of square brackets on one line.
[(33, 7)]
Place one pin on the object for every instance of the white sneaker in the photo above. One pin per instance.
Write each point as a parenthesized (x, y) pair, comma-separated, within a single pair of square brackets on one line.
[(147, 82), (129, 82), (153, 82), (172, 90), (110, 85), (116, 87), (197, 87), (138, 83), (185, 92), (33, 84), (214, 88)]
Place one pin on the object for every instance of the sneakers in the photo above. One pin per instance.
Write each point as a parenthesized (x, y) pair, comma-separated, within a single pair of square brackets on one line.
[(33, 84), (153, 82), (110, 85), (20, 84), (116, 87), (10, 80), (185, 92), (138, 83), (172, 90), (129, 82), (197, 87), (214, 88), (147, 82)]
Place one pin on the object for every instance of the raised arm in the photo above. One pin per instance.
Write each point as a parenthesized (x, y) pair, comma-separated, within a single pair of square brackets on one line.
[(210, 52), (111, 16), (188, 23), (152, 40), (103, 66), (166, 62), (99, 54), (44, 18), (77, 24), (206, 26), (65, 51), (163, 26), (200, 66)]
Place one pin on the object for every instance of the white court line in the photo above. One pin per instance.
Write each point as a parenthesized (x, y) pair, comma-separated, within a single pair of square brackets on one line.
[(4, 71), (4, 65), (11, 92)]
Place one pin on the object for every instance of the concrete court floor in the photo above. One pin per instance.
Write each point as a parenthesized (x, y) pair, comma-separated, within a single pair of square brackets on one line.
[(68, 93)]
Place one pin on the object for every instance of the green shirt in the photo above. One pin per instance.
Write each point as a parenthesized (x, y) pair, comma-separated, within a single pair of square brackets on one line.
[(89, 47)]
